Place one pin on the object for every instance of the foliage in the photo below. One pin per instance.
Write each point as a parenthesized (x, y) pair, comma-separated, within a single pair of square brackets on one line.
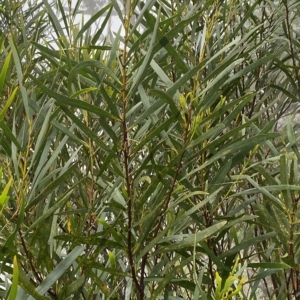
[(148, 166)]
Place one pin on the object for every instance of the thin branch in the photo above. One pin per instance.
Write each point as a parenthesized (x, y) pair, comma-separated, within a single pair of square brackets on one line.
[(126, 153)]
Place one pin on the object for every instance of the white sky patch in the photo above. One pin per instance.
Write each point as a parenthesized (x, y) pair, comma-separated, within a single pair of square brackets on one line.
[(87, 11)]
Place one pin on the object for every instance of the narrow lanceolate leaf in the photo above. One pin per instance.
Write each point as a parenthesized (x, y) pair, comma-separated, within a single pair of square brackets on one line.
[(20, 75), (268, 265), (92, 240), (59, 270), (112, 258), (154, 133), (17, 62), (4, 72), (42, 133), (292, 138), (113, 271), (140, 17), (248, 144), (89, 132), (51, 186), (10, 136), (75, 286), (27, 288), (14, 286), (247, 243), (56, 23), (58, 205), (85, 67), (8, 104), (191, 239), (92, 21), (66, 101), (149, 54), (83, 91), (3, 197)]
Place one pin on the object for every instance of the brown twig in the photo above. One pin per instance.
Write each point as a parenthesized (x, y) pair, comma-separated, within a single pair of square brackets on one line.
[(127, 155)]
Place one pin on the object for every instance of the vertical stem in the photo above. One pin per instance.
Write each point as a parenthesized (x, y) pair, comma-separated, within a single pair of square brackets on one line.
[(126, 149)]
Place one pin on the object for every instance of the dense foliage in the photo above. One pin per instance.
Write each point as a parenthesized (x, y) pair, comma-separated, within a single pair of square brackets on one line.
[(152, 162)]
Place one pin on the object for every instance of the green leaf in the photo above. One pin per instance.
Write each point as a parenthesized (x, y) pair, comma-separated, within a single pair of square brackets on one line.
[(152, 134), (112, 258), (3, 72), (49, 188), (66, 101), (14, 285), (247, 243), (3, 197), (75, 286), (269, 265), (84, 67), (59, 270), (56, 23), (11, 137), (189, 239), (92, 21), (92, 240), (137, 78), (112, 271), (8, 104), (58, 204)]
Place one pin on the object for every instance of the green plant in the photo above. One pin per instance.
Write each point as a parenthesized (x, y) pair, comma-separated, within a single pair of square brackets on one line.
[(142, 166)]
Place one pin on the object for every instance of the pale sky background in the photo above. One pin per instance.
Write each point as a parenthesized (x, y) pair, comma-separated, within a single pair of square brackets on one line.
[(114, 23), (85, 14)]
